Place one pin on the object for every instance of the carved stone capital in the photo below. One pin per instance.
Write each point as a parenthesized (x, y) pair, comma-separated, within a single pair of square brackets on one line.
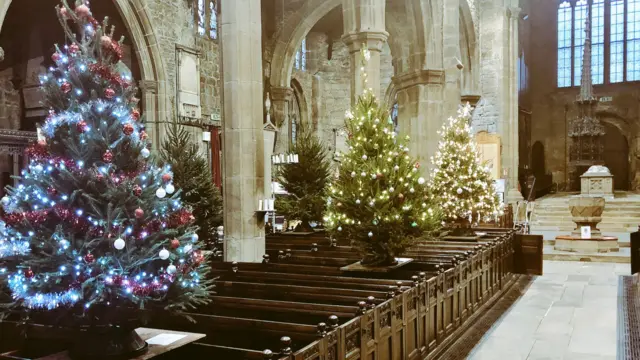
[(513, 12), (419, 77), (374, 40), (149, 86), (281, 93)]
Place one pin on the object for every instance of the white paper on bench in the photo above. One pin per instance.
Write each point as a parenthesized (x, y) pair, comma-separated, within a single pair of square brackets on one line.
[(165, 339)]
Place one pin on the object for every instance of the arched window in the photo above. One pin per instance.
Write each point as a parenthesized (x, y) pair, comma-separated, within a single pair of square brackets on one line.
[(301, 56), (294, 118), (207, 18), (617, 22)]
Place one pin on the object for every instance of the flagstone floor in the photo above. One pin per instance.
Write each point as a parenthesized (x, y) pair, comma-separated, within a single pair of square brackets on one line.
[(569, 313)]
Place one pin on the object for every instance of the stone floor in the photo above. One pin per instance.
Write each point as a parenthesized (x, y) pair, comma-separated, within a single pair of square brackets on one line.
[(569, 313)]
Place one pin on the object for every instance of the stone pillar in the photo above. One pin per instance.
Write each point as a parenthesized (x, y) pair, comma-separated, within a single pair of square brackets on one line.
[(498, 81), (364, 24), (281, 103), (420, 105), (149, 90), (241, 32), (511, 148), (451, 57)]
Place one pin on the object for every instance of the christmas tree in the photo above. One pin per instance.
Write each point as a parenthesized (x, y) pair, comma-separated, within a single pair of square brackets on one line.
[(193, 176), (464, 185), (95, 227), (305, 181), (378, 200)]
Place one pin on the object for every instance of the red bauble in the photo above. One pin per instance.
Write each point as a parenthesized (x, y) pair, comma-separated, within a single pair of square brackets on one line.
[(143, 135), (417, 165), (379, 175), (109, 93), (127, 129), (82, 11), (198, 257), (56, 57), (28, 273), (135, 115), (74, 48), (108, 156), (175, 243), (65, 87), (137, 190), (42, 143), (89, 258), (81, 126), (52, 191), (166, 177), (139, 213)]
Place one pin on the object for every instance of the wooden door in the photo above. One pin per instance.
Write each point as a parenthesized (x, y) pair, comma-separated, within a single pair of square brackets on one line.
[(527, 257)]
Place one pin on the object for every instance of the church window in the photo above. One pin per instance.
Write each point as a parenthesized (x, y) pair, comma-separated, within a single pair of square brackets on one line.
[(615, 40), (207, 18), (301, 56)]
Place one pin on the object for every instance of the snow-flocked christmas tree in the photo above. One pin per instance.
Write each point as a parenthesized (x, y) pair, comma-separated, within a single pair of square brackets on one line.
[(93, 223), (463, 185), (379, 200)]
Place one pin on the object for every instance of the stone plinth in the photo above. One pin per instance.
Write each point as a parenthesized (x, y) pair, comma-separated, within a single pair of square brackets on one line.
[(586, 211), (597, 181), (576, 244)]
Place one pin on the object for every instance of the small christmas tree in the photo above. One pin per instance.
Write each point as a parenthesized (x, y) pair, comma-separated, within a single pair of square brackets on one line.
[(193, 176), (306, 181), (464, 186), (379, 200), (95, 230)]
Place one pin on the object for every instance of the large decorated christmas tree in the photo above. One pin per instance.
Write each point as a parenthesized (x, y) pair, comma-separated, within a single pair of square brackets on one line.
[(378, 201), (463, 184), (94, 227)]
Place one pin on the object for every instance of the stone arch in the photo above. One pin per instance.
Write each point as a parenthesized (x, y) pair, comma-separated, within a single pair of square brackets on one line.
[(290, 37), (153, 75)]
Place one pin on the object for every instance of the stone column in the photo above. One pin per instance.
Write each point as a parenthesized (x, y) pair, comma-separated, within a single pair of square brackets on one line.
[(498, 81), (420, 105), (451, 57), (281, 103), (243, 186), (316, 101), (364, 24), (510, 151)]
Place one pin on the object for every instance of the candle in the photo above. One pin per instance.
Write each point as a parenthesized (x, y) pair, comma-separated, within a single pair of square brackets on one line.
[(260, 205)]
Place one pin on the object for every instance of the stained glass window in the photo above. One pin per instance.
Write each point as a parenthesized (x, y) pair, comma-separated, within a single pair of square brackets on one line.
[(597, 40), (579, 18), (633, 40), (301, 56), (621, 29), (616, 42), (207, 18), (564, 44)]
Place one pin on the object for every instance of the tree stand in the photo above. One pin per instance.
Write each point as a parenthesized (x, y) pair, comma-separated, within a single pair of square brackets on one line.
[(112, 343)]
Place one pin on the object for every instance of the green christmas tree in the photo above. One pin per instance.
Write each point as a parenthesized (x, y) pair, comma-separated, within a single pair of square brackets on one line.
[(379, 200), (464, 186), (95, 230), (193, 176), (305, 181)]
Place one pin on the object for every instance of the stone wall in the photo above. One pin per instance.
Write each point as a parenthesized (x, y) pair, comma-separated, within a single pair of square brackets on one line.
[(553, 107)]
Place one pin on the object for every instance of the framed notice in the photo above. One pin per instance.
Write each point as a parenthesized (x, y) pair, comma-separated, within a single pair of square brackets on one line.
[(585, 232), (489, 147)]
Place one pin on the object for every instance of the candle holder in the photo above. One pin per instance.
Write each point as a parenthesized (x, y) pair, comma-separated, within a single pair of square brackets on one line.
[(284, 159)]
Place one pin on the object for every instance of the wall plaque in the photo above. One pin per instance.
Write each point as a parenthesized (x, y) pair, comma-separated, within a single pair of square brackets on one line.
[(188, 82)]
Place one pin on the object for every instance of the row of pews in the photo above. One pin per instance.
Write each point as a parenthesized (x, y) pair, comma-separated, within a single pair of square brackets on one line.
[(299, 304)]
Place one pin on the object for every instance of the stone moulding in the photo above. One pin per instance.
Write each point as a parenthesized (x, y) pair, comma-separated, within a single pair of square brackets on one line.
[(419, 77)]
